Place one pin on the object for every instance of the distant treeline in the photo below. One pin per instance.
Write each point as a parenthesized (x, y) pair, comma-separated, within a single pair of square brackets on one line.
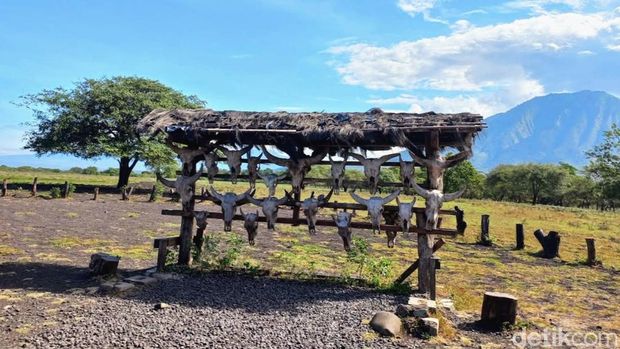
[(90, 170)]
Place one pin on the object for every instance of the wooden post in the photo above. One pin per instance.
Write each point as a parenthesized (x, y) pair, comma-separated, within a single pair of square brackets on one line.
[(187, 223), (435, 264), (485, 238), (461, 225), (425, 252), (96, 194), (440, 242), (34, 186), (498, 309), (550, 243), (199, 241), (5, 187), (162, 251), (152, 196), (591, 252), (296, 209), (126, 193), (65, 193), (520, 237)]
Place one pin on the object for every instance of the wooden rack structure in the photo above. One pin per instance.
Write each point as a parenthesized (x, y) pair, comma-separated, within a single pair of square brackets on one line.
[(292, 133)]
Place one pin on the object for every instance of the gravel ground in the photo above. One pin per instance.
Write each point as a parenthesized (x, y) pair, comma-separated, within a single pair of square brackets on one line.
[(224, 311)]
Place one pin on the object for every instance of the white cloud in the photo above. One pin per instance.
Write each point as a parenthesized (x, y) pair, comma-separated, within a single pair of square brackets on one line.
[(484, 65), (423, 7), (614, 47), (541, 6), (585, 53)]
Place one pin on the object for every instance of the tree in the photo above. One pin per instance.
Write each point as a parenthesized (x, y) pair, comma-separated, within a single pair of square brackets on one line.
[(464, 175), (604, 165), (98, 118)]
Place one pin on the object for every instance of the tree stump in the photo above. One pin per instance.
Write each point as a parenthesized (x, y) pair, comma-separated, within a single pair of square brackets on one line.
[(591, 252), (550, 243), (461, 225), (153, 195), (96, 194), (485, 238), (5, 187), (103, 264), (498, 309), (126, 193), (34, 186), (65, 193), (520, 237)]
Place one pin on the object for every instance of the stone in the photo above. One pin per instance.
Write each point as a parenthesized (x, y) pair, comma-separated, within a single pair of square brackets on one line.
[(121, 287), (163, 276), (386, 324), (446, 304), (430, 325), (408, 310), (423, 303), (91, 290), (103, 264), (141, 280), (107, 286), (162, 305)]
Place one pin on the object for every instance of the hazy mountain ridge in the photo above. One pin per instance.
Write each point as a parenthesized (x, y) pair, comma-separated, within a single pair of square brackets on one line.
[(548, 129)]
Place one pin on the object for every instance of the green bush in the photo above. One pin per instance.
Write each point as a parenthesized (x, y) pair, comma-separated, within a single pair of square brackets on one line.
[(55, 193), (90, 170)]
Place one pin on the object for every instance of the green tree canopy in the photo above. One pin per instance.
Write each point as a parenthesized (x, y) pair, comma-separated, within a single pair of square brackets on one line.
[(604, 164), (98, 117)]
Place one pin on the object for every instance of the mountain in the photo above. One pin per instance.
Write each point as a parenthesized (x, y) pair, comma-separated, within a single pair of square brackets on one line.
[(548, 129)]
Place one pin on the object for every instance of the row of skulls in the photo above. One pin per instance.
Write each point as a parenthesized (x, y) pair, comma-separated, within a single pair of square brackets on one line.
[(298, 167)]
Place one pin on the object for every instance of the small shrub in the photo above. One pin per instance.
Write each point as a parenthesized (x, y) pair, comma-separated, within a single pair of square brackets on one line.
[(55, 193)]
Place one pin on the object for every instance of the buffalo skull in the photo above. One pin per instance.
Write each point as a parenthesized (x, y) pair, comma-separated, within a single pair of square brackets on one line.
[(201, 219), (253, 167), (250, 223), (182, 185), (311, 206), (434, 201), (228, 202), (337, 172), (297, 167), (374, 205), (343, 223), (271, 181), (407, 170), (233, 158), (372, 167), (270, 206), (211, 164)]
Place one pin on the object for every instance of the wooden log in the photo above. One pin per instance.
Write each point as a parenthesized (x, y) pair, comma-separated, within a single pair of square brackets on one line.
[(498, 309), (33, 191), (5, 187), (461, 225), (425, 252), (162, 244), (550, 243), (153, 194), (187, 223), (590, 244), (485, 238), (520, 237), (296, 209), (435, 264), (96, 194), (65, 193), (199, 242), (440, 242), (103, 264)]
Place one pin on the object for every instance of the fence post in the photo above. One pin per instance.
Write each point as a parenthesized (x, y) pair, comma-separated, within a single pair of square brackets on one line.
[(591, 251), (5, 186), (152, 196), (485, 239), (96, 194), (65, 193), (34, 186), (425, 252), (520, 237), (435, 264)]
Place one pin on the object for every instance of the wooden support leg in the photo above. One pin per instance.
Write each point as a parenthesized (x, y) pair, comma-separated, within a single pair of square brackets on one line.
[(198, 242), (425, 252), (5, 187), (152, 196), (440, 242), (591, 252), (520, 237), (485, 238), (433, 277), (162, 251), (65, 193), (187, 225), (34, 186), (296, 209), (96, 194)]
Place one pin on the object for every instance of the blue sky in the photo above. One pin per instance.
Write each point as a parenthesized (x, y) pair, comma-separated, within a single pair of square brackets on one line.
[(346, 55)]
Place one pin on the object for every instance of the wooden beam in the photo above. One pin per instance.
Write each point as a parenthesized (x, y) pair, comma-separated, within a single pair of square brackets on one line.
[(440, 242), (322, 222)]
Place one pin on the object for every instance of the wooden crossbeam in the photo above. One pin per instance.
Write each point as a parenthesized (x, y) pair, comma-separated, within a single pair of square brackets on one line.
[(440, 242), (321, 222)]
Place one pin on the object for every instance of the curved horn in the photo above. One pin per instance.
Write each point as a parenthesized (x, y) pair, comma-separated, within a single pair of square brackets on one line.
[(244, 195), (387, 157), (452, 196), (418, 159), (359, 199), (359, 158), (325, 199), (197, 175), (246, 149), (330, 159), (390, 197), (254, 201), (315, 157), (282, 176), (167, 183), (275, 160), (241, 210), (421, 191), (215, 194)]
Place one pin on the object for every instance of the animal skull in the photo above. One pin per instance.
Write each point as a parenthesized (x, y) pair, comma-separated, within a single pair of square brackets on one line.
[(211, 162), (253, 166), (270, 207), (374, 205), (201, 219), (343, 222), (337, 172), (188, 155), (407, 170), (434, 201), (271, 181), (372, 167), (311, 206), (233, 158), (228, 202), (250, 223), (182, 185), (297, 167)]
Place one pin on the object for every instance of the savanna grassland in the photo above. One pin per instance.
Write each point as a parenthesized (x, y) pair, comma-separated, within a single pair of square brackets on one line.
[(58, 234)]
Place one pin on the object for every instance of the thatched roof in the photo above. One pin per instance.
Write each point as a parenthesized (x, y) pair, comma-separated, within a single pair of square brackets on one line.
[(375, 127)]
